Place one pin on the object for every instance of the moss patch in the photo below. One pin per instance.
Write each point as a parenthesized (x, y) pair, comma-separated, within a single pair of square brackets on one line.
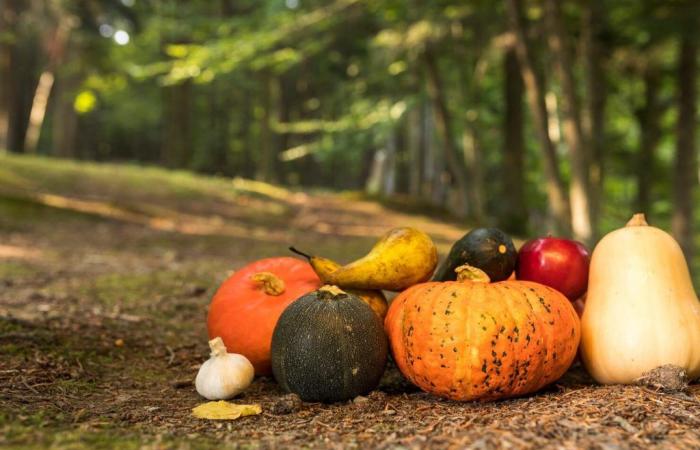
[(144, 290)]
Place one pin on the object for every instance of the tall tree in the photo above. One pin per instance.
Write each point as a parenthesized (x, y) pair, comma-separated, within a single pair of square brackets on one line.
[(556, 193), (433, 180), (571, 123), (20, 50), (514, 213), (64, 117), (267, 162), (415, 151), (443, 123), (474, 55), (8, 21), (55, 43), (684, 177), (594, 107), (176, 149), (649, 117)]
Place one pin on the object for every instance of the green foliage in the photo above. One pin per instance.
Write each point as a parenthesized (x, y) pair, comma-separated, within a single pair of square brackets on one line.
[(308, 92)]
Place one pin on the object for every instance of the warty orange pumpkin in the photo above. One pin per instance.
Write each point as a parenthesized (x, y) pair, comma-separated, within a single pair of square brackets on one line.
[(474, 340)]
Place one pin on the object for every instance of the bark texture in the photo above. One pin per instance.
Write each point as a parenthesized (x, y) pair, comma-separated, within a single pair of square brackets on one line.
[(514, 215), (556, 192), (684, 180), (571, 123)]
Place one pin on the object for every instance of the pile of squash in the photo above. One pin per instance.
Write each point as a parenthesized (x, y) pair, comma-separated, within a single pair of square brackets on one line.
[(474, 332)]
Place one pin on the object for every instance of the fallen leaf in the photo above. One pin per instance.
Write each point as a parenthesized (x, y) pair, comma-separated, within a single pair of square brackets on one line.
[(223, 410)]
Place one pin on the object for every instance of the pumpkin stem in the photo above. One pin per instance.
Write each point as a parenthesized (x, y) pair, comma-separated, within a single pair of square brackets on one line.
[(471, 273), (272, 285), (300, 253), (637, 220), (333, 290), (217, 347)]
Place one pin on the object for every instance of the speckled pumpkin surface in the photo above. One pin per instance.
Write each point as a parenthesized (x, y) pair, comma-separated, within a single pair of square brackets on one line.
[(472, 340)]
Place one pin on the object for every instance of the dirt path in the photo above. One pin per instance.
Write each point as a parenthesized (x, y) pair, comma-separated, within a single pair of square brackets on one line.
[(103, 295)]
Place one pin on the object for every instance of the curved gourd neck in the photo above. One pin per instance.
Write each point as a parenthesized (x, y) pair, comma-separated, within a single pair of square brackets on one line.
[(330, 292), (637, 220), (471, 273)]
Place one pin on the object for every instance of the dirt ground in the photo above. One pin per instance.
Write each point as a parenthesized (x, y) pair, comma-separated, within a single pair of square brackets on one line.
[(105, 277)]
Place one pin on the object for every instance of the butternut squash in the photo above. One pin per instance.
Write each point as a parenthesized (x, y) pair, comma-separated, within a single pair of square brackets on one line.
[(641, 309)]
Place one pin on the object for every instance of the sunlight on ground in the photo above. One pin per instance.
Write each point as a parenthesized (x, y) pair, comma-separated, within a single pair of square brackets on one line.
[(182, 223), (17, 252), (269, 190), (191, 204)]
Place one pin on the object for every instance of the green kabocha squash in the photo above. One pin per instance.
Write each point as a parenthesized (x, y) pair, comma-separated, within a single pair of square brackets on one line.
[(488, 249), (328, 346)]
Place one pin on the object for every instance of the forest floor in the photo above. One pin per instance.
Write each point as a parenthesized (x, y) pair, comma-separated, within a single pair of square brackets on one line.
[(105, 276)]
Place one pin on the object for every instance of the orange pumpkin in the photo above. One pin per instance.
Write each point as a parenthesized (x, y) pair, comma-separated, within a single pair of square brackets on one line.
[(245, 309), (474, 340)]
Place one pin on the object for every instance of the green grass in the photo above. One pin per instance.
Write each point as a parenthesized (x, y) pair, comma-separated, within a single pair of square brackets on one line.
[(125, 183), (22, 430), (134, 289), (39, 436), (17, 270), (35, 190), (60, 175), (17, 213)]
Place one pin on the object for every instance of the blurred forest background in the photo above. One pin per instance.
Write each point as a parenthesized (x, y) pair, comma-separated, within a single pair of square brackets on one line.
[(531, 115)]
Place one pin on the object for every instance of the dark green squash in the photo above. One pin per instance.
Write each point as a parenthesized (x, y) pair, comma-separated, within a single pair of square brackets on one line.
[(328, 346), (489, 249)]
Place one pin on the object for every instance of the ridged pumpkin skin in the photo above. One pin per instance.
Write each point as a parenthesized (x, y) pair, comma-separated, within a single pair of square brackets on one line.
[(244, 315), (471, 340), (329, 347)]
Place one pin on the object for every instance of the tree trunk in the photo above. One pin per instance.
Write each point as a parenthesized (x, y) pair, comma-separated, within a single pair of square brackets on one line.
[(389, 176), (213, 156), (177, 131), (245, 133), (558, 200), (8, 18), (571, 124), (267, 163), (22, 82), (434, 183), (38, 111), (6, 82), (286, 100), (56, 44), (415, 153), (684, 176), (64, 121), (17, 64), (382, 175), (453, 157), (514, 212), (649, 124), (596, 94), (471, 73), (474, 162), (375, 180)]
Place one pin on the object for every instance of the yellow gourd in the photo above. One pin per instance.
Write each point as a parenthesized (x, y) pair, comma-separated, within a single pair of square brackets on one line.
[(641, 309)]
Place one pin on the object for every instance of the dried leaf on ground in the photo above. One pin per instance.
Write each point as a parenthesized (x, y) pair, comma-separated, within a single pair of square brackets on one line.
[(223, 410)]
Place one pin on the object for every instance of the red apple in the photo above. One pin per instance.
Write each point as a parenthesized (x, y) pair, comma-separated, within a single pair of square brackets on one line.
[(558, 263)]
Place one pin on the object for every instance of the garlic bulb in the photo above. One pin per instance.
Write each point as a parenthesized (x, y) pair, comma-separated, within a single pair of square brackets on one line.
[(223, 375)]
